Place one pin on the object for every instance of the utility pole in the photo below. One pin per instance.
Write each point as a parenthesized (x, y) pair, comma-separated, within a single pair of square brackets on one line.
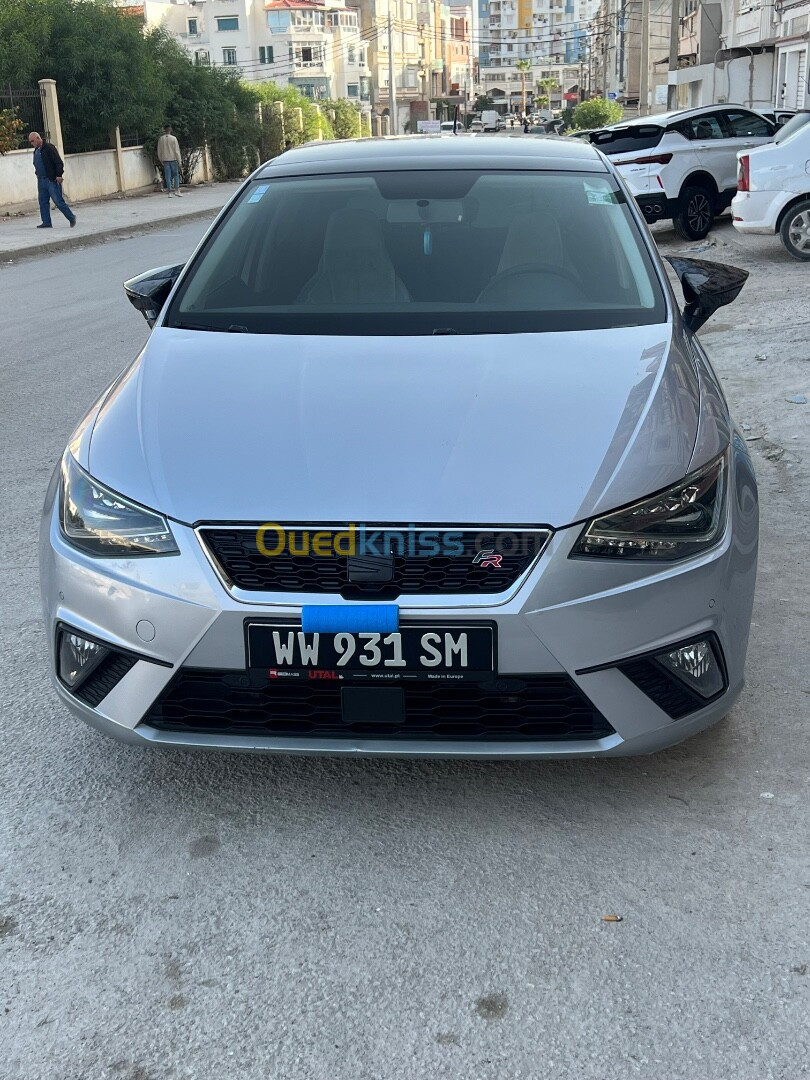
[(674, 49), (644, 80), (392, 86)]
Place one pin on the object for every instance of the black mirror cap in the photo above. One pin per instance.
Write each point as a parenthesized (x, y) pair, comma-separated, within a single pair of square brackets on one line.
[(706, 286), (148, 292)]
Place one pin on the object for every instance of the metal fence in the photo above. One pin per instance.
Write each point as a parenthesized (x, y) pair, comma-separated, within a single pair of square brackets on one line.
[(27, 106)]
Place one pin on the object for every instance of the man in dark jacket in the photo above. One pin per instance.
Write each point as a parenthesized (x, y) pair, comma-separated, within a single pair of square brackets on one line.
[(50, 170)]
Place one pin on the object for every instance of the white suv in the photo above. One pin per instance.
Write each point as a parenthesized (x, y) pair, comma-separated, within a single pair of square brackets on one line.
[(773, 188), (683, 165)]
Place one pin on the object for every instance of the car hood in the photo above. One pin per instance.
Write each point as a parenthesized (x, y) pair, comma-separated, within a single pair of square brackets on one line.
[(518, 429)]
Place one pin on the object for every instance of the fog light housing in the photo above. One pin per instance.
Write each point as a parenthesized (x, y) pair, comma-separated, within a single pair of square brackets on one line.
[(78, 657), (696, 665)]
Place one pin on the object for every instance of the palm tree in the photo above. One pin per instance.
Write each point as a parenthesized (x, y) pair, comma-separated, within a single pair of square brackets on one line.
[(523, 66), (544, 88)]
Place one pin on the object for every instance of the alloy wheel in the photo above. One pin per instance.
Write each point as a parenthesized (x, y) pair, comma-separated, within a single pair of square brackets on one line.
[(799, 231), (699, 212)]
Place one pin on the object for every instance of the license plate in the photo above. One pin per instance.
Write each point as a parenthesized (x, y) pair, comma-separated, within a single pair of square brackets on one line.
[(451, 653)]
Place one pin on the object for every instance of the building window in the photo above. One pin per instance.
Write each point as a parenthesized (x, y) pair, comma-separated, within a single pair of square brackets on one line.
[(229, 57), (306, 55), (265, 54), (192, 26), (230, 22), (350, 55), (409, 12), (353, 90), (202, 58)]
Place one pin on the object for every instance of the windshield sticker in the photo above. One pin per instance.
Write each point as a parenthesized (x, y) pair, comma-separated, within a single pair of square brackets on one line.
[(599, 196), (257, 194)]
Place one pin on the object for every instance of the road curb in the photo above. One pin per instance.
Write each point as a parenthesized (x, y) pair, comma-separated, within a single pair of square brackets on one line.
[(72, 242)]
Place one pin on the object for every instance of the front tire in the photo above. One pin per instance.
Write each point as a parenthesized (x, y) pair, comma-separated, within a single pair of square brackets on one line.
[(696, 212), (795, 231)]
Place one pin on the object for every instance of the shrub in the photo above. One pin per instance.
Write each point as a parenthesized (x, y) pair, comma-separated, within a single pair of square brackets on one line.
[(10, 130), (597, 112)]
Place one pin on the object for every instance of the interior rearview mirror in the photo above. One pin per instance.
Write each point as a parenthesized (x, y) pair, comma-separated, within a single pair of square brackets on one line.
[(706, 286), (148, 292)]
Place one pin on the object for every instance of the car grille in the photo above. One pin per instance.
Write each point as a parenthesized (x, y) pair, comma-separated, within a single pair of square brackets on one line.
[(235, 552), (511, 708)]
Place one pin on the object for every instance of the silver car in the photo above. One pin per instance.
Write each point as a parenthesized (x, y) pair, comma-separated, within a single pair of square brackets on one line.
[(421, 457)]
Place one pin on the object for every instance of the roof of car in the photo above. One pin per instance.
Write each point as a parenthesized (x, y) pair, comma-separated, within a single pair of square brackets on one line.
[(431, 151), (660, 119)]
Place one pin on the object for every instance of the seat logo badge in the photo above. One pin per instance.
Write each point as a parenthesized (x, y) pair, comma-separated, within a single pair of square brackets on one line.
[(487, 558)]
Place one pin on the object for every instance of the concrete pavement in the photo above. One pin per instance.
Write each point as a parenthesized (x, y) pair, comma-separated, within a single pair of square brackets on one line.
[(118, 216)]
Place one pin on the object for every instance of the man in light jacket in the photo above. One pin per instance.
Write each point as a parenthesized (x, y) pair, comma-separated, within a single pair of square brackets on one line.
[(168, 151)]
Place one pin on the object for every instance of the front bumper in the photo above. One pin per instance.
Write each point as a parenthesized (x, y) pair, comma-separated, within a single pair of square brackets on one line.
[(569, 617)]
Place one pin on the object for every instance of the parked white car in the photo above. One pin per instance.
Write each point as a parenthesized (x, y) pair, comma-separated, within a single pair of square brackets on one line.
[(683, 165), (773, 188)]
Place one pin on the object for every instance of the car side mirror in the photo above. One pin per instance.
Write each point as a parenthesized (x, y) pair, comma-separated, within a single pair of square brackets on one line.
[(706, 286), (148, 292)]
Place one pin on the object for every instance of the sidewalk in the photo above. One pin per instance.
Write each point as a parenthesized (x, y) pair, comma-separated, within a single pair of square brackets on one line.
[(106, 218)]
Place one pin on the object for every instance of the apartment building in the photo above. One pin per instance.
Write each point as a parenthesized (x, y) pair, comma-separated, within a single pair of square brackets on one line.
[(316, 47), (616, 51), (549, 34), (460, 51), (749, 51), (534, 30), (752, 52)]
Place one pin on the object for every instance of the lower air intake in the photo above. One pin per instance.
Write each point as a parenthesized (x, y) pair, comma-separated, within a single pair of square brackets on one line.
[(542, 708)]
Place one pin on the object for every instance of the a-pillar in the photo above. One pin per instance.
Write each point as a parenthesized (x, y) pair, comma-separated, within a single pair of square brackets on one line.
[(50, 114)]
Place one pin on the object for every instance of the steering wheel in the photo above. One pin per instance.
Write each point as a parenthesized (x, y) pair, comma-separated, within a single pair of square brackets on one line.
[(531, 268)]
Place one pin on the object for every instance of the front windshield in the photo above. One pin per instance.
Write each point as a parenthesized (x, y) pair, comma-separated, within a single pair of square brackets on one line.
[(423, 252)]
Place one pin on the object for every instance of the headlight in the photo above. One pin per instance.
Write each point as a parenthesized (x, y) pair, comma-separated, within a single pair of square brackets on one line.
[(101, 522), (681, 521)]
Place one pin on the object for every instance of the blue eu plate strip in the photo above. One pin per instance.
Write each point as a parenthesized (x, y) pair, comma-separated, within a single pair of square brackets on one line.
[(350, 618)]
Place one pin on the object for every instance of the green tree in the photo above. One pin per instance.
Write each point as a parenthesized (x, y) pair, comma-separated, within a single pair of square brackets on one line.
[(346, 123), (274, 139), (483, 101), (103, 64), (597, 113)]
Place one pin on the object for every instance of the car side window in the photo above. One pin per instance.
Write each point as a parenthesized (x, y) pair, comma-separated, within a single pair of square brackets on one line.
[(748, 125), (701, 128)]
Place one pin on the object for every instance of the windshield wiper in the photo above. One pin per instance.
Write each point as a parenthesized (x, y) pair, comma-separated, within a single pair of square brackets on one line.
[(199, 326)]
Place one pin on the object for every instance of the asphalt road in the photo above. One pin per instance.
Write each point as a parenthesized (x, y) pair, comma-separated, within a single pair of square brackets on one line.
[(169, 915)]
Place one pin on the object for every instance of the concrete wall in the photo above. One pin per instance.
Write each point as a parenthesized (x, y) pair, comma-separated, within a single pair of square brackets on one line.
[(139, 171), (17, 181), (87, 176), (743, 81)]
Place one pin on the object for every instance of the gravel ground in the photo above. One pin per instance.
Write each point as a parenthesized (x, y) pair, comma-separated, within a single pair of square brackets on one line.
[(169, 915)]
